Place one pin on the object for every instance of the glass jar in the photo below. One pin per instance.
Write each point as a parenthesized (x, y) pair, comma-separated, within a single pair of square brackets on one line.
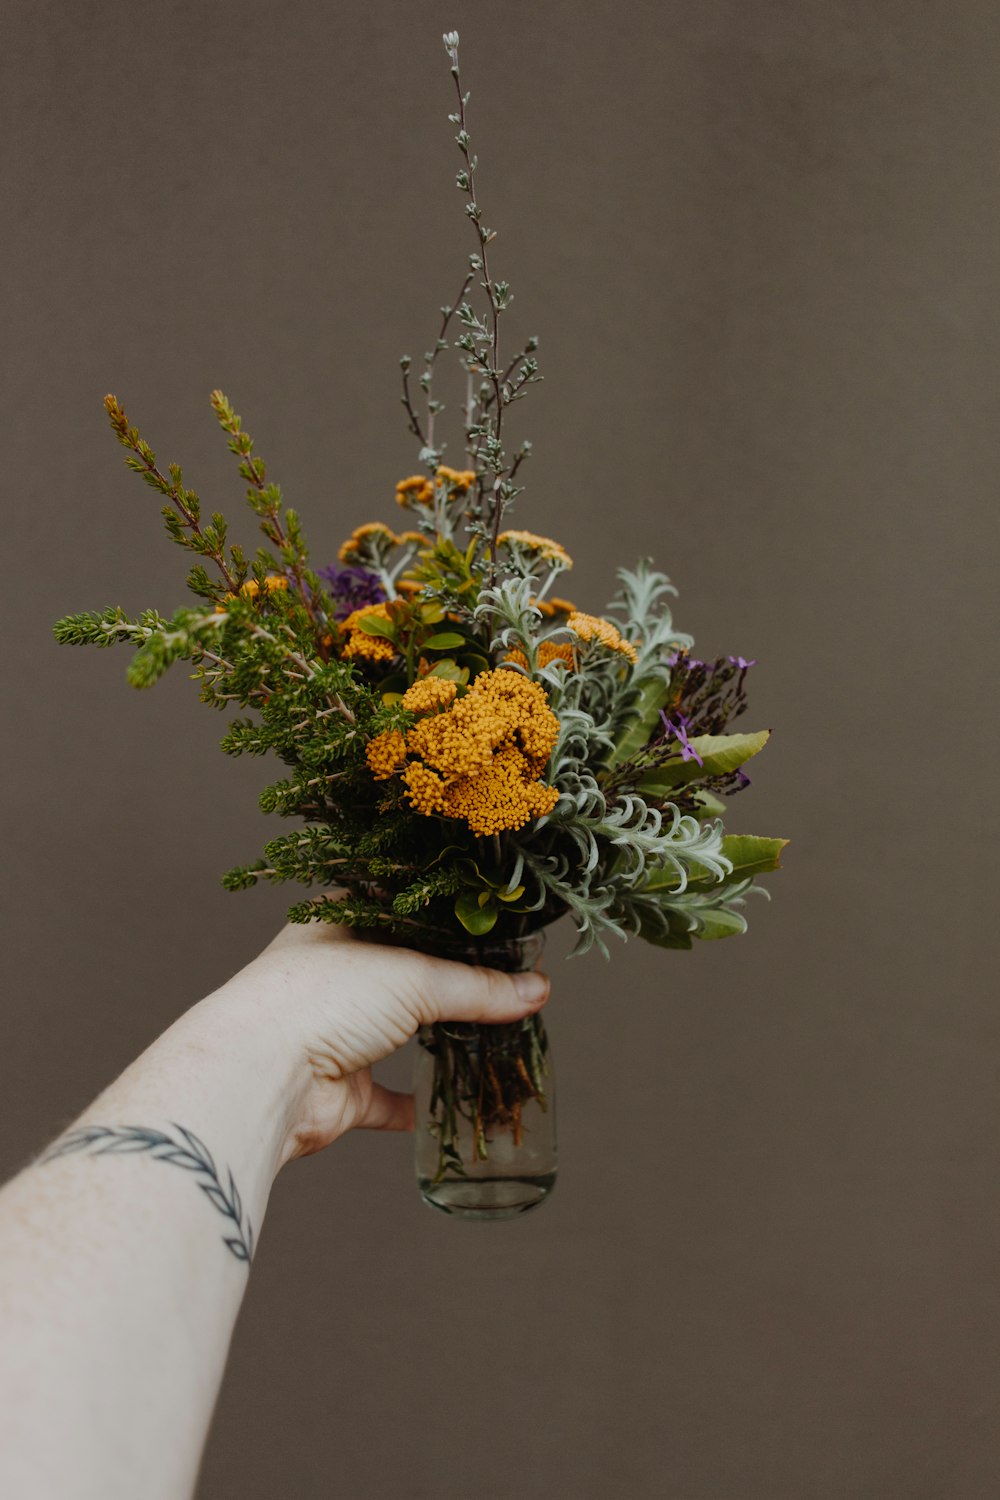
[(485, 1101)]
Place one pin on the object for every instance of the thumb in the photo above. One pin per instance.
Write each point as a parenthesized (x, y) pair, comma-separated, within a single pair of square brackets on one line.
[(468, 992)]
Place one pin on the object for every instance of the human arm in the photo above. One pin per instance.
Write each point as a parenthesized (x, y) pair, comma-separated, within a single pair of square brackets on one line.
[(123, 1262)]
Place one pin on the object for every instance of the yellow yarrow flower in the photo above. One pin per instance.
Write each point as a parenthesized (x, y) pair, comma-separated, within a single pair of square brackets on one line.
[(479, 757), (594, 628), (425, 788), (359, 643), (353, 549), (548, 651), (416, 490), (500, 706), (507, 794), (554, 606), (386, 754), (456, 479), (429, 694), (543, 546)]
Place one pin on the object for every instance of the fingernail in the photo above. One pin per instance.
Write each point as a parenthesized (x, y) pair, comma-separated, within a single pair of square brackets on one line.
[(532, 988)]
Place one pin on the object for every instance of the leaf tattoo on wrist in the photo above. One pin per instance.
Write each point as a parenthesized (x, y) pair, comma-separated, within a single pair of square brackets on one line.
[(184, 1150)]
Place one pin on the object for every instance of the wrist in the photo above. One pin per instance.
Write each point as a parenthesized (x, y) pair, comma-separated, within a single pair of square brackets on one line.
[(244, 1040)]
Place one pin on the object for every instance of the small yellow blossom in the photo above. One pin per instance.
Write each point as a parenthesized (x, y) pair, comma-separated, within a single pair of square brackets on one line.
[(360, 643), (425, 788), (416, 490), (456, 479), (412, 538), (594, 628), (551, 607), (251, 589), (544, 546), (548, 651), (428, 694), (386, 754), (354, 549)]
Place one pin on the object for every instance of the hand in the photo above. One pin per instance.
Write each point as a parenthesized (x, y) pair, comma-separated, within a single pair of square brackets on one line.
[(347, 1003)]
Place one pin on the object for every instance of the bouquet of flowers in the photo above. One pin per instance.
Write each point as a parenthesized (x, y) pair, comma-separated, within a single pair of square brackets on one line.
[(468, 755)]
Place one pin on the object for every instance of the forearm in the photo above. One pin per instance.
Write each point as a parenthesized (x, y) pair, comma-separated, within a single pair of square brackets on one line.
[(118, 1291)]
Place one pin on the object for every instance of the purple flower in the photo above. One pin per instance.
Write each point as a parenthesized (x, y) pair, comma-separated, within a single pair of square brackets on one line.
[(742, 663), (352, 588), (680, 734)]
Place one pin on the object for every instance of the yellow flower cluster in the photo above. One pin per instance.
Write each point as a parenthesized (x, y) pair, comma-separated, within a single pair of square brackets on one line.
[(351, 550), (359, 643), (548, 651), (456, 479), (543, 546), (507, 795), (251, 589), (480, 757), (416, 490), (551, 607), (428, 694), (386, 754), (593, 628)]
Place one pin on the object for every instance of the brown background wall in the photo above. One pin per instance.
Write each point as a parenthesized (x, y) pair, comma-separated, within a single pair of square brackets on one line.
[(759, 243)]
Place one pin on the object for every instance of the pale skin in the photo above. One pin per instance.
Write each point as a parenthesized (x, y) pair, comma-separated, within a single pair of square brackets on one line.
[(118, 1294)]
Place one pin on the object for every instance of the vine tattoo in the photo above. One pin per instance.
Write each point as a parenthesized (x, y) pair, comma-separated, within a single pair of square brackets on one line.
[(188, 1152)]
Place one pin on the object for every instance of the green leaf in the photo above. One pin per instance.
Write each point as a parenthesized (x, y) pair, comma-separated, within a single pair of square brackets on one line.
[(475, 662), (669, 939), (432, 612), (720, 924), (750, 855), (444, 640), (709, 806), (475, 917), (448, 669), (514, 895), (719, 753), (642, 720), (375, 625)]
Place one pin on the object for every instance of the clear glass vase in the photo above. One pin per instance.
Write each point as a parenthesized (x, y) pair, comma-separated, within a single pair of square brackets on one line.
[(485, 1102)]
